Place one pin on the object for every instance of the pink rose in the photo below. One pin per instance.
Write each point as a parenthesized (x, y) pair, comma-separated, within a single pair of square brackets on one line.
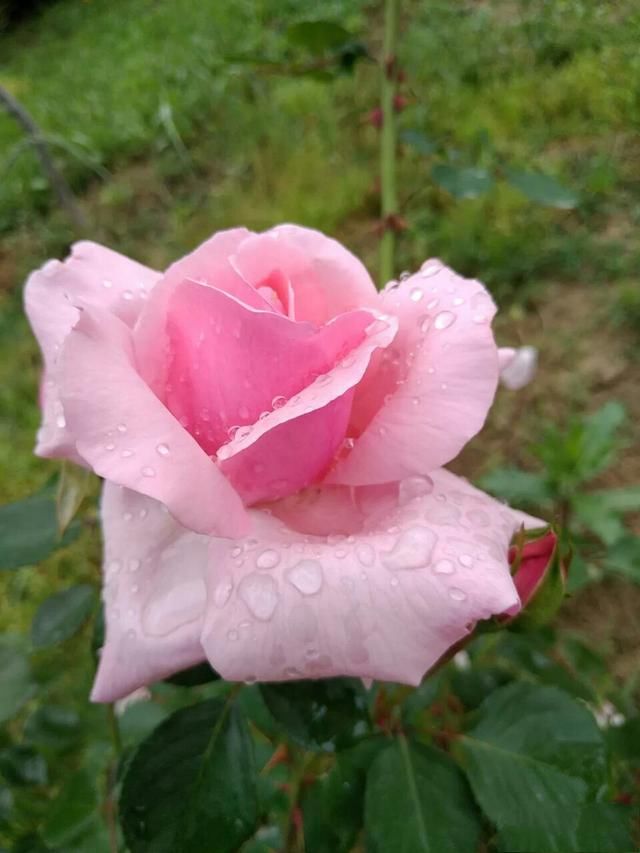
[(272, 431)]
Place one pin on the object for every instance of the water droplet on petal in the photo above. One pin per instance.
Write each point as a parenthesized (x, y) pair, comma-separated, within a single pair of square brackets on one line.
[(121, 427), (232, 635), (148, 471), (106, 282), (113, 567), (127, 294), (429, 269), (458, 301), (163, 449), (480, 318), (414, 487), (412, 550), (457, 594), (126, 454), (444, 319), (366, 554), (444, 567), (61, 421), (424, 322), (127, 516), (465, 560), (268, 559), (260, 594), (278, 402), (222, 593), (306, 576), (416, 294), (110, 446), (134, 564)]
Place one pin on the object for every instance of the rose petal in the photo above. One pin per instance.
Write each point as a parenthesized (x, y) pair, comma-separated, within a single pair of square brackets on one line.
[(324, 278), (94, 275), (154, 594), (128, 437), (428, 394), (520, 369), (385, 602)]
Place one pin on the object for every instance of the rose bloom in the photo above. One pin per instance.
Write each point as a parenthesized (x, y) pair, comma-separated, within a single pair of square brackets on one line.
[(271, 431)]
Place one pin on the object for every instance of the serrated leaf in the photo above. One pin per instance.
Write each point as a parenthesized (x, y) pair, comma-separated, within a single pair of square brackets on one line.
[(542, 189), (71, 811), (462, 181), (318, 36), (321, 715), (29, 531), (417, 801), (17, 683), (533, 757), (61, 615), (333, 806), (191, 781), (517, 486)]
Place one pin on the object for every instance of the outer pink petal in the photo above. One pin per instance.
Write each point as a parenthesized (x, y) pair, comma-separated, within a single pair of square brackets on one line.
[(324, 277), (94, 275), (385, 602), (128, 437), (426, 396), (154, 594)]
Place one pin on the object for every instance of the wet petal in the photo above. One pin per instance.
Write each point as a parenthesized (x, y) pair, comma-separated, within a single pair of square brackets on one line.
[(127, 436), (94, 275), (316, 273), (386, 601), (428, 393), (154, 594)]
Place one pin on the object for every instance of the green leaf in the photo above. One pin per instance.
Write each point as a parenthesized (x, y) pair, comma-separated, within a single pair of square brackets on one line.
[(17, 683), (419, 141), (6, 803), (533, 758), (517, 486), (461, 181), (597, 517), (417, 801), (74, 484), (22, 765), (191, 781), (321, 715), (333, 806), (318, 36), (605, 827), (29, 531), (72, 810), (61, 615), (53, 727), (139, 720), (624, 557), (619, 500), (542, 189)]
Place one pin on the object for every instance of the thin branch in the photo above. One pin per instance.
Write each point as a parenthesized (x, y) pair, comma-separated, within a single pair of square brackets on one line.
[(56, 180)]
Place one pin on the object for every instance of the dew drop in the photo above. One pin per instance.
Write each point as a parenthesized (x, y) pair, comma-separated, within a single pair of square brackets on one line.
[(430, 269), (278, 402), (260, 594), (61, 421), (404, 275), (236, 551), (268, 559), (121, 427), (106, 282), (457, 594), (163, 450), (480, 318), (127, 516), (113, 567), (232, 635), (444, 319), (458, 301), (466, 560), (126, 454), (414, 487), (110, 447), (424, 322), (128, 295), (134, 564), (222, 593), (444, 567), (412, 550), (366, 554), (431, 371), (416, 294), (394, 581), (306, 577), (148, 471)]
